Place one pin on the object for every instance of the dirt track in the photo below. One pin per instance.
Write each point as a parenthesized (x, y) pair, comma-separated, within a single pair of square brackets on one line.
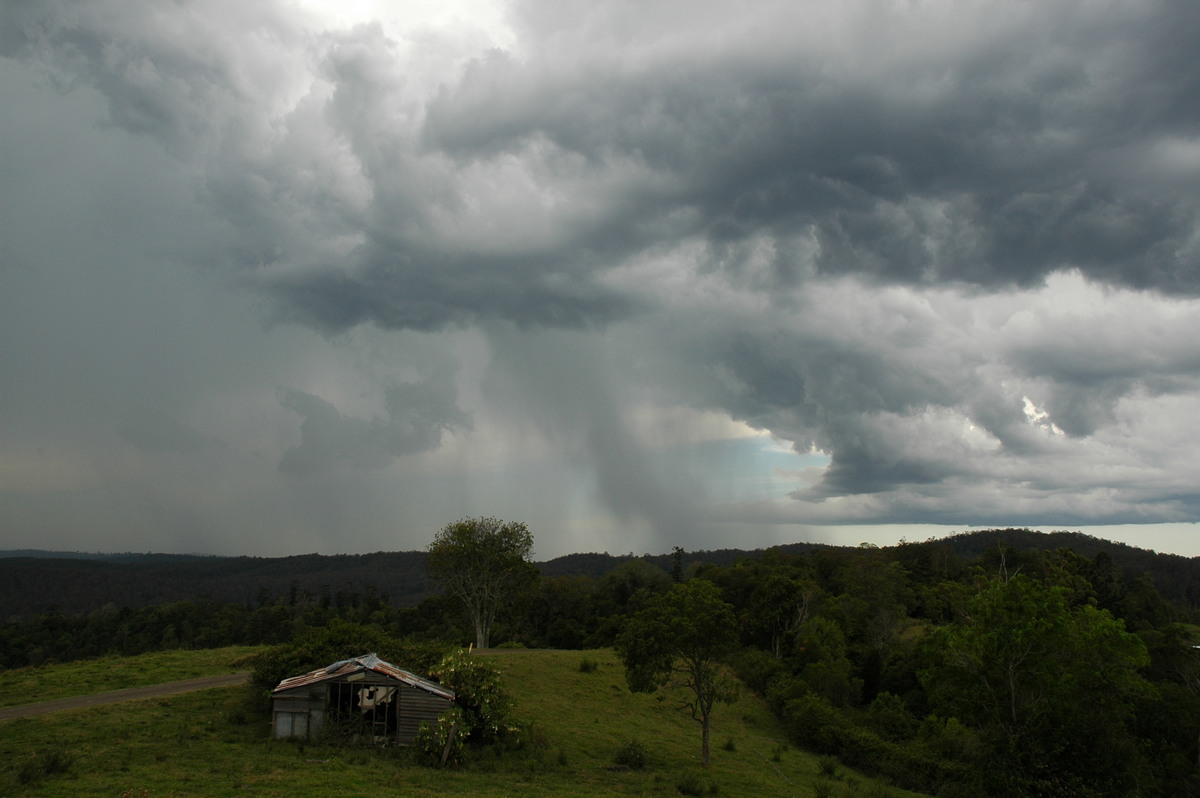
[(129, 694)]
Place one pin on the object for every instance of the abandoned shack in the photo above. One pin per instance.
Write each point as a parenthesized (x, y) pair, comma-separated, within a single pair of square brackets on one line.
[(364, 696)]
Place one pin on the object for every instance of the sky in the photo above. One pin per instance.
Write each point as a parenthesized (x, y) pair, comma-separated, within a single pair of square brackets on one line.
[(289, 277)]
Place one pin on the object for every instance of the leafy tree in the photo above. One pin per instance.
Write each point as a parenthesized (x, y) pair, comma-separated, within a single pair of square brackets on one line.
[(679, 639), (1051, 689), (483, 562)]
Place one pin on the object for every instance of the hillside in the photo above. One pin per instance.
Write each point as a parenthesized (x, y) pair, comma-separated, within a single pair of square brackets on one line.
[(204, 744), (77, 583)]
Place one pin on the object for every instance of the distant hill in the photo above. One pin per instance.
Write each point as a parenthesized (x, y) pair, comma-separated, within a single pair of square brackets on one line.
[(1176, 577), (30, 585), (126, 556), (74, 582)]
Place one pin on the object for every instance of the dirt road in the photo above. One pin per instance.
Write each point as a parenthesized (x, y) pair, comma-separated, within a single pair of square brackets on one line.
[(129, 694)]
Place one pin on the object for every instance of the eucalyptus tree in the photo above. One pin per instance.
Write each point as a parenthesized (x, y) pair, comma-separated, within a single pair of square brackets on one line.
[(483, 562), (680, 639)]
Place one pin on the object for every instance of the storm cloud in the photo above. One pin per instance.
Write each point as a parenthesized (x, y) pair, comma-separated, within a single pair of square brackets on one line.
[(536, 259)]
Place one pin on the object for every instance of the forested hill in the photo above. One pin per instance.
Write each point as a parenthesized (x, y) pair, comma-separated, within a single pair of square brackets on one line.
[(74, 585), (1176, 578), (74, 582)]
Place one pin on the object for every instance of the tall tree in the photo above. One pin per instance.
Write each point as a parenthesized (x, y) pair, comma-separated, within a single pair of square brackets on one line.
[(679, 639), (483, 562)]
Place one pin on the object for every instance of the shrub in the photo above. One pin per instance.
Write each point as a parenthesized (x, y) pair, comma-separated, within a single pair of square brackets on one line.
[(34, 766), (479, 693), (757, 668), (828, 766), (632, 755), (890, 719), (57, 760), (690, 784), (949, 738), (588, 665), (814, 722), (433, 738)]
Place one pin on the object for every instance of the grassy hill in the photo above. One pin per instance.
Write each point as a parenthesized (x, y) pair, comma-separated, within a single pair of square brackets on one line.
[(208, 744)]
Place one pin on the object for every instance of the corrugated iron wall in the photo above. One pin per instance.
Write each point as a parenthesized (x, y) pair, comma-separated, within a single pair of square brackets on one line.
[(416, 707)]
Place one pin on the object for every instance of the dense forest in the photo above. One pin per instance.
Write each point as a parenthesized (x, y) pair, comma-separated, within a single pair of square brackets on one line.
[(1001, 663)]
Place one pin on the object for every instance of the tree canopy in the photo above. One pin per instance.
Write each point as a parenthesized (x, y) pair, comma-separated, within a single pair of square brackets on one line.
[(483, 562)]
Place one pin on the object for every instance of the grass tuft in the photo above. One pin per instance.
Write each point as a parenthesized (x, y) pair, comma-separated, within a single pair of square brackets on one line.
[(632, 755)]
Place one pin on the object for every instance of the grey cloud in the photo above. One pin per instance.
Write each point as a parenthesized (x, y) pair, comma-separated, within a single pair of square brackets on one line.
[(398, 288), (1090, 366), (417, 415), (572, 389), (986, 167), (825, 225), (158, 432), (982, 166)]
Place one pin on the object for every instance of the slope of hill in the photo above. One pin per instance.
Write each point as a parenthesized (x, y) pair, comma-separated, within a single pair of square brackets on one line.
[(201, 744)]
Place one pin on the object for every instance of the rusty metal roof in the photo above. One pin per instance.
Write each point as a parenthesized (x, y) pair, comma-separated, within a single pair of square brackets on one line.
[(367, 662)]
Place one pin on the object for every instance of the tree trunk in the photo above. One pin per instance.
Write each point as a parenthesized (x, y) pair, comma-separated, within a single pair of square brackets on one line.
[(704, 740), (481, 633)]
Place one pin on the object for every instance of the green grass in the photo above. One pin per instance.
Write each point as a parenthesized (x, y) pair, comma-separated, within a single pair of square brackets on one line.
[(207, 744), (50, 682)]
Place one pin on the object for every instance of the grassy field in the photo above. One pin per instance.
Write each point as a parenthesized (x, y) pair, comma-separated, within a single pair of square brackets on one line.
[(51, 682), (209, 744)]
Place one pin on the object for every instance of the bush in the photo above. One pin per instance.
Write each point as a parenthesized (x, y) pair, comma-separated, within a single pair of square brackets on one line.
[(632, 755), (691, 783), (757, 668), (814, 722), (588, 665), (433, 738), (33, 767), (950, 739), (828, 766), (890, 719), (479, 693)]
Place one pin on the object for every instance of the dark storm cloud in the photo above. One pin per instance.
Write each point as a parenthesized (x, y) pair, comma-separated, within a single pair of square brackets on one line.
[(991, 165), (398, 288), (953, 247)]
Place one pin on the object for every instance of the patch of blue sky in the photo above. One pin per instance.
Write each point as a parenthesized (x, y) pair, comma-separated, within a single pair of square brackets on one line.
[(750, 468)]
